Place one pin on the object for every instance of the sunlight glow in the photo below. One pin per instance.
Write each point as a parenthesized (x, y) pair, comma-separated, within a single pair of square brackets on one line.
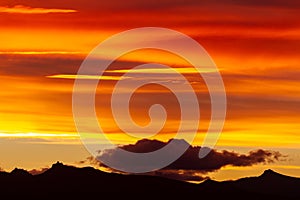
[(36, 135), (29, 10)]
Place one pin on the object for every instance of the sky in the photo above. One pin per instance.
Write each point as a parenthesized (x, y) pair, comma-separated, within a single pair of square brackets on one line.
[(255, 44)]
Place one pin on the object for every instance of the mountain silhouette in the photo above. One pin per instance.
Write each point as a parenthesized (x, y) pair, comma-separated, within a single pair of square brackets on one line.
[(66, 182)]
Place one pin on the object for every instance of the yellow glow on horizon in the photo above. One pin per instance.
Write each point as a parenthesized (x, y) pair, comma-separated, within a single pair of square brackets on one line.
[(235, 172), (37, 135), (43, 40), (29, 10)]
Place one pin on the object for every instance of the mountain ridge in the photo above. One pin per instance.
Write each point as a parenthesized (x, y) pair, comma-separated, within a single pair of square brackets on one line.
[(68, 181)]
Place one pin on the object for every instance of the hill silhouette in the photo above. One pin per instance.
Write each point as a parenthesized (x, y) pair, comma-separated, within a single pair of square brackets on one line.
[(61, 181)]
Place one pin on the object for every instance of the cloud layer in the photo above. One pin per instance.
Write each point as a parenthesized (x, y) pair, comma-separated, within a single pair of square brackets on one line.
[(189, 166)]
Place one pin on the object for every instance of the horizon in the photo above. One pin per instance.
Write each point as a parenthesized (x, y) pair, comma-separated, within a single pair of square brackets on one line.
[(255, 46), (68, 183), (35, 172)]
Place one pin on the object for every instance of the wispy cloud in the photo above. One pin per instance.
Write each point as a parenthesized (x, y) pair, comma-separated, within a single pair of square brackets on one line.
[(165, 70), (74, 76), (21, 9), (42, 53)]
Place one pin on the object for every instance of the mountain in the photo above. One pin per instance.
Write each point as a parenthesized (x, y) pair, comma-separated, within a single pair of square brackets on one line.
[(270, 183), (66, 182)]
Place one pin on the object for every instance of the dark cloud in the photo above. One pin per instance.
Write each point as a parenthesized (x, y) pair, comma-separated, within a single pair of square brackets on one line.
[(182, 175), (216, 160), (38, 65), (271, 3), (149, 5), (213, 161), (189, 166), (89, 160), (46, 65), (94, 13), (38, 171)]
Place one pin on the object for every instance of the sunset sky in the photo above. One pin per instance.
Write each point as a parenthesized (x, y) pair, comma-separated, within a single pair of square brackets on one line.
[(255, 44)]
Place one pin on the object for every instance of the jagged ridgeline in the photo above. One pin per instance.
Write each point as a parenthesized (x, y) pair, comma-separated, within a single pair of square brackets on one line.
[(61, 181)]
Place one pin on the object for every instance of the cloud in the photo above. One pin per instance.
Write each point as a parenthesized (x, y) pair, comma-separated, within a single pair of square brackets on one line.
[(181, 175), (89, 160), (91, 77), (38, 171), (155, 5), (189, 167), (230, 16), (215, 160), (182, 70), (29, 10), (38, 65)]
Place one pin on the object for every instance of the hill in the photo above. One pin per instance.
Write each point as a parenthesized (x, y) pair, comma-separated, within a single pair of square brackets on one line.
[(67, 182)]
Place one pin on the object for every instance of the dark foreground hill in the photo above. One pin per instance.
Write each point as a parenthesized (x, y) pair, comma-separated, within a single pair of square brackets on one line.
[(67, 182)]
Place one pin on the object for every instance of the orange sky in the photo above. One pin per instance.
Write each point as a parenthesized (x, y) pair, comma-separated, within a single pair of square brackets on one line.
[(255, 44)]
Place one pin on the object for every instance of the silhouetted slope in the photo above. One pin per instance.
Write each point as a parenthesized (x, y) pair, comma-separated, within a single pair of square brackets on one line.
[(270, 182), (60, 182)]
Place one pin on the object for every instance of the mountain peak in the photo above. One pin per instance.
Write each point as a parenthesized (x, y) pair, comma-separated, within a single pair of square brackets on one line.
[(270, 174), (20, 172), (269, 171), (60, 167), (57, 165)]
